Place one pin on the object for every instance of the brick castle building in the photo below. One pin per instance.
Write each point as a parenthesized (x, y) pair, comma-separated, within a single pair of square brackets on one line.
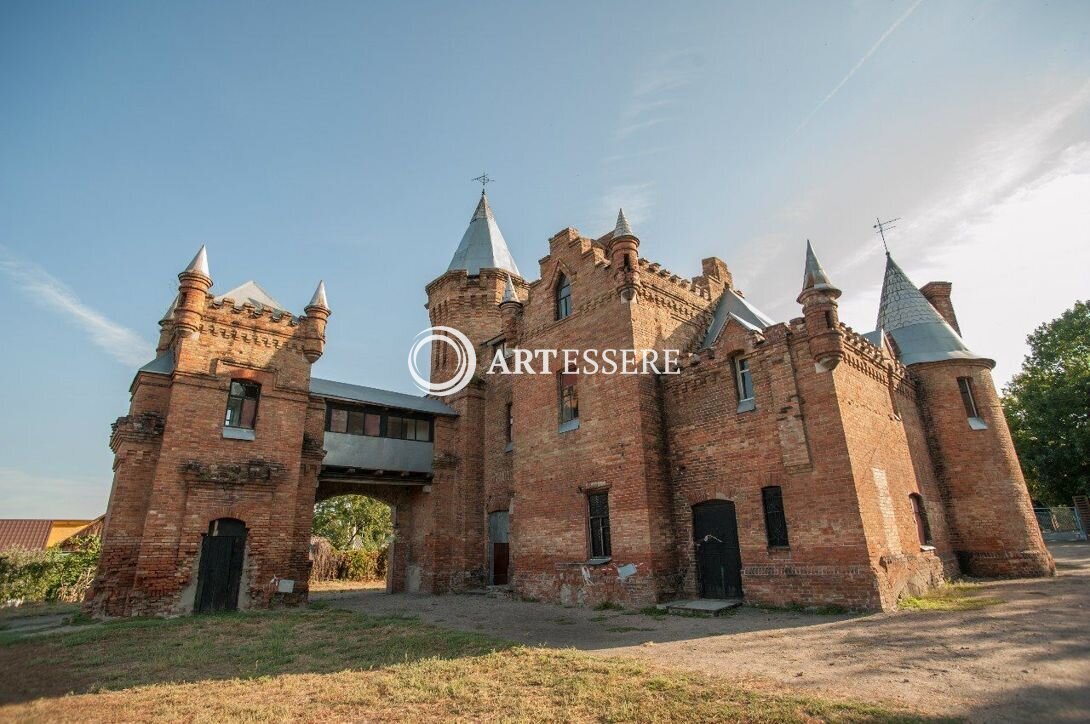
[(793, 462)]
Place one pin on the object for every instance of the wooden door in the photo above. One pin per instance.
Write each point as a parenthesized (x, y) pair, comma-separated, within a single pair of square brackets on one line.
[(220, 571), (719, 562)]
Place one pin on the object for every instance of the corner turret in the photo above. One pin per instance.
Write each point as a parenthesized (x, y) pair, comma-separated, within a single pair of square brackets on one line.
[(993, 527), (317, 315), (624, 257), (819, 307), (193, 285)]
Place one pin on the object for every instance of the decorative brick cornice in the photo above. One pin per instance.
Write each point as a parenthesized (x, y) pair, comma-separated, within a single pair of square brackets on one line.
[(144, 427), (251, 472)]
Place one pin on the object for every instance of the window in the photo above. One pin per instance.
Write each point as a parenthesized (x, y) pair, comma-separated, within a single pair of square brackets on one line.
[(775, 520), (569, 397), (369, 422), (510, 422), (242, 404), (407, 428), (965, 384), (923, 529), (598, 504), (743, 379), (563, 297)]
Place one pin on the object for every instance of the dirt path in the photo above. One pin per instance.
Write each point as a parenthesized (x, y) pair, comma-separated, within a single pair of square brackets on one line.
[(1025, 660)]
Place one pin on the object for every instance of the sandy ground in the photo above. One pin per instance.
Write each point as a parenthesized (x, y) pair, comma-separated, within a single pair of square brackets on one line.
[(1027, 659)]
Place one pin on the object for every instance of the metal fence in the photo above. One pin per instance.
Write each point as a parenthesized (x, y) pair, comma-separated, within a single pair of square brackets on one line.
[(1060, 524)]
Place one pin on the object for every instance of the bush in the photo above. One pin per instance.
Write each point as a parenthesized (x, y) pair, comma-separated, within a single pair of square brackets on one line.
[(361, 565), (328, 563), (49, 575)]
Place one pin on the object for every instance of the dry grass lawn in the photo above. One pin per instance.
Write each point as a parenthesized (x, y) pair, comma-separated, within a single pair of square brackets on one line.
[(319, 665)]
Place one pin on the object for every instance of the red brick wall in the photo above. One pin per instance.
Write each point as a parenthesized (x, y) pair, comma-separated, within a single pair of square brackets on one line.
[(172, 482), (991, 517)]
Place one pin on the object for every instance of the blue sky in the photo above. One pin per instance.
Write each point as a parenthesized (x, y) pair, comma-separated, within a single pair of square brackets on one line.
[(337, 141)]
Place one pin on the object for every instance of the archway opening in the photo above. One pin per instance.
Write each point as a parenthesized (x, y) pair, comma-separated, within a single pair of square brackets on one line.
[(350, 543)]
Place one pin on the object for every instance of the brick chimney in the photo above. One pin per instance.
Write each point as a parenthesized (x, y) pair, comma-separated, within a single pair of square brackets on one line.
[(938, 293)]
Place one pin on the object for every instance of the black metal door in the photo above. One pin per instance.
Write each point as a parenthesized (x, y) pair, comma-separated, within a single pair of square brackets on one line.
[(718, 561), (220, 570)]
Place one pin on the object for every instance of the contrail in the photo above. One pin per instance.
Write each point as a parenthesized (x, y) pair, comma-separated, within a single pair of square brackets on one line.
[(856, 67), (120, 342)]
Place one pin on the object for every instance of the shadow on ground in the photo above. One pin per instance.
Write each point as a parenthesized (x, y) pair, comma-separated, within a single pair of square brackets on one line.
[(1025, 659), (134, 652)]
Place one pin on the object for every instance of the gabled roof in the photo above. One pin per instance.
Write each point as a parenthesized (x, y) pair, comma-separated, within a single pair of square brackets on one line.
[(252, 293), (374, 396), (732, 305), (29, 534), (483, 245), (921, 334)]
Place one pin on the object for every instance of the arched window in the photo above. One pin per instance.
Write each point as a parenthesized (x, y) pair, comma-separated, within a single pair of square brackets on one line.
[(923, 529), (563, 297)]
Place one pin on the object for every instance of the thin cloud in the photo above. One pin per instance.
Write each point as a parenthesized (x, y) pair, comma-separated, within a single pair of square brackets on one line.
[(120, 342), (855, 68), (637, 200)]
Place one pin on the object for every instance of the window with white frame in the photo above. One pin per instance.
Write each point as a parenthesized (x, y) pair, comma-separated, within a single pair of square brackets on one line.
[(743, 379)]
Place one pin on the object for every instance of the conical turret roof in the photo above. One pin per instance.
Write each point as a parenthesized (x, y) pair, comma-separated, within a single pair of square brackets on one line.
[(483, 245), (509, 294), (200, 263), (319, 298), (813, 275), (919, 331), (623, 228)]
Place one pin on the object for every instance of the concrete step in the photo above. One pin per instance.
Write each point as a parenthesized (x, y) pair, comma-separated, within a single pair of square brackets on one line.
[(701, 606)]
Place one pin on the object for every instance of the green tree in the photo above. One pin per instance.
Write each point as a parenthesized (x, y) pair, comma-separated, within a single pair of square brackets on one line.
[(353, 521), (1048, 408)]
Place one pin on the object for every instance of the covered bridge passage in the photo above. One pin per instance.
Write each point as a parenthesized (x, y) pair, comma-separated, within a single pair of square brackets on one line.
[(375, 438)]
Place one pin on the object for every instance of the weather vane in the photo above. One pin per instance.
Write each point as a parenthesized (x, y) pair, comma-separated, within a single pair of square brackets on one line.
[(484, 179), (882, 227)]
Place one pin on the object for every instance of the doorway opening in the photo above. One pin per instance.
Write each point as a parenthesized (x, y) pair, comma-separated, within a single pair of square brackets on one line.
[(222, 552), (499, 551), (718, 559)]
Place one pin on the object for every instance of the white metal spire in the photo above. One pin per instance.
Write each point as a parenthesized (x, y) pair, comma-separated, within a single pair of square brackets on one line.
[(813, 275), (200, 263), (623, 228), (483, 245), (319, 298)]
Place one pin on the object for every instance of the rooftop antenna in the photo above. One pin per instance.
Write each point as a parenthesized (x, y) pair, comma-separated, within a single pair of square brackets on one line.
[(484, 179), (882, 227)]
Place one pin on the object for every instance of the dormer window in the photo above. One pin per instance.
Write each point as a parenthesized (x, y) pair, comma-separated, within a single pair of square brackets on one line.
[(563, 297), (242, 405)]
